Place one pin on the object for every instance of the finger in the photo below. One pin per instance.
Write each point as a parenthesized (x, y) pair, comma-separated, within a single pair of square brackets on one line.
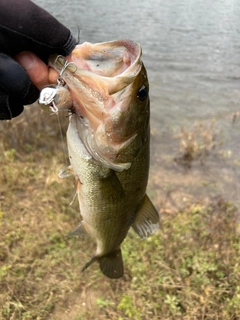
[(35, 67), (52, 76), (16, 88)]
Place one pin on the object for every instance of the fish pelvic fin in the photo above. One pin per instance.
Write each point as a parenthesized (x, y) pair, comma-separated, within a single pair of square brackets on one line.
[(81, 230), (147, 218), (111, 264)]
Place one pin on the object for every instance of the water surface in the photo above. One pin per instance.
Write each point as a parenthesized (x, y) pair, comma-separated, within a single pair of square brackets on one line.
[(191, 49)]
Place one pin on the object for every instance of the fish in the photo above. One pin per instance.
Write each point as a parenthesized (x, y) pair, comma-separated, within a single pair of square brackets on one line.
[(108, 139)]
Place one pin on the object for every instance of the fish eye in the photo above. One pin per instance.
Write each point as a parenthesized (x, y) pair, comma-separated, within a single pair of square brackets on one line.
[(142, 93)]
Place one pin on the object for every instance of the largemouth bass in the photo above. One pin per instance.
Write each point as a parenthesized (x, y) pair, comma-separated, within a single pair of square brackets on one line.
[(108, 145)]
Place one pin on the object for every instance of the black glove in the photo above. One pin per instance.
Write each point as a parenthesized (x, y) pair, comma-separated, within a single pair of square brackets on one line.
[(24, 26)]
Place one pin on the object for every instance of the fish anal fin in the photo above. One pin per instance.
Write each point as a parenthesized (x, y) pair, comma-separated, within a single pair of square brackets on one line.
[(81, 230), (111, 265), (146, 221), (94, 258), (65, 172)]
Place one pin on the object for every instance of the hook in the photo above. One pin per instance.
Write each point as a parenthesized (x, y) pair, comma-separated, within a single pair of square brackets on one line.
[(65, 65)]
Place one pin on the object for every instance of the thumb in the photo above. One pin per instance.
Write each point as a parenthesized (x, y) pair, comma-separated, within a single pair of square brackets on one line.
[(35, 67)]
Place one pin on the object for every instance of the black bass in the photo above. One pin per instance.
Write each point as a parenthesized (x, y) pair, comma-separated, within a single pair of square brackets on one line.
[(108, 144)]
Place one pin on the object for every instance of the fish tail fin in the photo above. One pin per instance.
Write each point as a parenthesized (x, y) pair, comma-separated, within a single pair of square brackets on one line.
[(111, 265)]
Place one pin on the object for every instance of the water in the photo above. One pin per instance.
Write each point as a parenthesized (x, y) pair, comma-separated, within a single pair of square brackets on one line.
[(191, 49)]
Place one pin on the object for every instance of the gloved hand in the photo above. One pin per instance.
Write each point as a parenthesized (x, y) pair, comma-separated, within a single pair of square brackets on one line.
[(24, 26)]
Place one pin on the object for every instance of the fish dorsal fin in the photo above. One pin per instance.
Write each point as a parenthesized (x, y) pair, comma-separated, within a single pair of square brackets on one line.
[(146, 221), (79, 231), (65, 172), (111, 265)]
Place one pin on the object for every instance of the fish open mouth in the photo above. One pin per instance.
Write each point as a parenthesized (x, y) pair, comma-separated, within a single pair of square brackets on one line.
[(104, 80)]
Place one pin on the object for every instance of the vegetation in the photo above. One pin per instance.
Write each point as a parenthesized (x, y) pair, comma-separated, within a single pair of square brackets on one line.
[(190, 269), (196, 144)]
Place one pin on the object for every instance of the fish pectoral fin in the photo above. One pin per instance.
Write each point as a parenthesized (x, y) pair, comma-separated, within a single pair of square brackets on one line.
[(146, 221), (111, 265), (65, 172), (115, 183), (81, 230)]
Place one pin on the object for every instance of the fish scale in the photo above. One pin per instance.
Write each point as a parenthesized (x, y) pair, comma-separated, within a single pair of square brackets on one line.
[(108, 144)]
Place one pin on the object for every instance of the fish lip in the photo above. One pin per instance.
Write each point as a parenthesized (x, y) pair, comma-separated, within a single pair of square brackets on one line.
[(86, 80), (130, 57), (95, 94)]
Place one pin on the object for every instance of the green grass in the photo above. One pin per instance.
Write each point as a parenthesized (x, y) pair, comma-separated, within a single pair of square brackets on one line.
[(189, 270)]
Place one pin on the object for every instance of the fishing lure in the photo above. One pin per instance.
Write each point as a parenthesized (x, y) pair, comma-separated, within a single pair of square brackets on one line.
[(57, 97)]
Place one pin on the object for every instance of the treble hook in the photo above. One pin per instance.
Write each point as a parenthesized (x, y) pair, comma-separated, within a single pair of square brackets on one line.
[(60, 80)]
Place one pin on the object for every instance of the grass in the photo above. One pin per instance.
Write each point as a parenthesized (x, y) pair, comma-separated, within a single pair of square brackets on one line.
[(190, 269), (197, 143)]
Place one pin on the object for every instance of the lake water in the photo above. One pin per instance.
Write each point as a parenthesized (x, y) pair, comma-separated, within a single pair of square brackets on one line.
[(191, 49)]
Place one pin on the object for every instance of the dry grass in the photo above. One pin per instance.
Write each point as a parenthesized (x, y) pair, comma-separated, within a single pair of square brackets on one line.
[(189, 270), (197, 143)]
